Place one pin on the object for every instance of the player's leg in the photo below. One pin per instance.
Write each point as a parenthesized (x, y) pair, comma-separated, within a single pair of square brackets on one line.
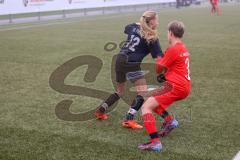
[(129, 121), (169, 124), (165, 89), (113, 98), (165, 101), (218, 9), (135, 75), (212, 10), (141, 88), (149, 122), (158, 104), (121, 79)]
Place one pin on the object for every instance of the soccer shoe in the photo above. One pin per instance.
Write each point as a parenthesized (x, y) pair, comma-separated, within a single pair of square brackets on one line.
[(131, 124), (151, 146), (101, 116), (168, 127)]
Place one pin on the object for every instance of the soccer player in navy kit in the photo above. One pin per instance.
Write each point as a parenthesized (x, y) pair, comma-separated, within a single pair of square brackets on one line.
[(142, 39)]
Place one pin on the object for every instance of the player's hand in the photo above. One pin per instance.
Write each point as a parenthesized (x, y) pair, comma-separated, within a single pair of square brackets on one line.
[(161, 78)]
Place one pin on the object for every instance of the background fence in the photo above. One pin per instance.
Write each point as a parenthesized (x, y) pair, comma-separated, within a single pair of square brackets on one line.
[(44, 13)]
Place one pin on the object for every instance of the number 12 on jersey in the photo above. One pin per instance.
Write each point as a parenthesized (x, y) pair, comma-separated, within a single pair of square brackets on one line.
[(134, 41)]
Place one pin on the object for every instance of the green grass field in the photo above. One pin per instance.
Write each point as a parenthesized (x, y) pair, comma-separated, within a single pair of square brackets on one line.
[(29, 53)]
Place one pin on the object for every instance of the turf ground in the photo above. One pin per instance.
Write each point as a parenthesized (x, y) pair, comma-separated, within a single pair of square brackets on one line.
[(29, 53)]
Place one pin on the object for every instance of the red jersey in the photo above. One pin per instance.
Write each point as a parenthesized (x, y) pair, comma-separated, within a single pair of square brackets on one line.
[(214, 2), (176, 60)]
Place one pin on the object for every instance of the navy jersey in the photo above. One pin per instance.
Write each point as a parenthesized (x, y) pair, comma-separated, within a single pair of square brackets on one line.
[(136, 47)]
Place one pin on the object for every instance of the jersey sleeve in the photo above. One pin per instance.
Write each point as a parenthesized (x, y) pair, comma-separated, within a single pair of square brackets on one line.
[(128, 29), (155, 49), (169, 57)]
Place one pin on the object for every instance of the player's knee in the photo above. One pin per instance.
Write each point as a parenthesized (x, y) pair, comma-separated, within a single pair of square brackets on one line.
[(149, 105), (120, 90), (120, 93)]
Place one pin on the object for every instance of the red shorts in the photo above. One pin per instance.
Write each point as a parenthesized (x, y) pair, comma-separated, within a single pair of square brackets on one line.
[(215, 2), (175, 94)]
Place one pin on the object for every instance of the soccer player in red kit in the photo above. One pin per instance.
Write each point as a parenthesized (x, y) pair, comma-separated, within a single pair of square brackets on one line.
[(174, 69), (215, 7)]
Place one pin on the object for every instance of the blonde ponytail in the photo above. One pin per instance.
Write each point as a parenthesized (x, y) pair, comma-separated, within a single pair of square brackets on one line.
[(146, 31)]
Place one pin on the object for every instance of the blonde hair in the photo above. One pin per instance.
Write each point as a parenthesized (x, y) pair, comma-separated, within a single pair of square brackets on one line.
[(146, 31)]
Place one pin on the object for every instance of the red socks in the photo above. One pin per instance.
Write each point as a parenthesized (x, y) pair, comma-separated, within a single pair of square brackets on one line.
[(150, 125), (168, 118), (164, 114), (149, 122)]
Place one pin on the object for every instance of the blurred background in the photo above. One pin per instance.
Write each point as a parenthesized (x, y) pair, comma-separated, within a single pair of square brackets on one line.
[(22, 11)]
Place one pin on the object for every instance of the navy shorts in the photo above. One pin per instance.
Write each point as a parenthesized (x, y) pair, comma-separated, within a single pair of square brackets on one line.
[(127, 70)]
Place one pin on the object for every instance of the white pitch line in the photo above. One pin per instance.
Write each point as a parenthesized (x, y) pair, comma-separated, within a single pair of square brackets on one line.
[(237, 157)]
